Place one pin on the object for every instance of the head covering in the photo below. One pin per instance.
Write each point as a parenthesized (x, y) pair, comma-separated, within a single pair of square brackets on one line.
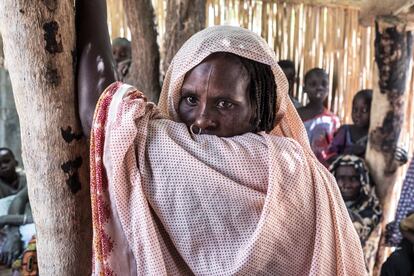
[(365, 211), (241, 42), (166, 202)]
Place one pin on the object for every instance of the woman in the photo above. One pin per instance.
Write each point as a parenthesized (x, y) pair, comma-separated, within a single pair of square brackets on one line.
[(215, 180), (353, 180)]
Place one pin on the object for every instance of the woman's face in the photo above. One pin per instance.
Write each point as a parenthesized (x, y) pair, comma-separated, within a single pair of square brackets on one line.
[(215, 98), (360, 112), (349, 182)]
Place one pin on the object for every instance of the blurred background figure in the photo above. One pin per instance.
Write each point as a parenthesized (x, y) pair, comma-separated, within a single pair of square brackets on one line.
[(288, 68), (121, 50)]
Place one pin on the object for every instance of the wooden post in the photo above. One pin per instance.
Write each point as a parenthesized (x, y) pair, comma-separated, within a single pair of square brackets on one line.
[(145, 71), (184, 18), (393, 53), (39, 47)]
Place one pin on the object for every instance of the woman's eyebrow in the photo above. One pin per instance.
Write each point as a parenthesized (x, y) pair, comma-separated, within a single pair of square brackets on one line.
[(188, 90)]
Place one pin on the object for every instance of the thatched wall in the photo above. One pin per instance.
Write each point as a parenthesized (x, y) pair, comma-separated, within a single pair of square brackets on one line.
[(310, 34)]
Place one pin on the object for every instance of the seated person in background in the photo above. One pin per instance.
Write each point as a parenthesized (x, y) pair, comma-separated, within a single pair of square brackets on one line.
[(353, 139), (11, 181), (401, 261), (17, 227), (353, 179), (320, 124), (288, 68), (15, 210), (121, 50)]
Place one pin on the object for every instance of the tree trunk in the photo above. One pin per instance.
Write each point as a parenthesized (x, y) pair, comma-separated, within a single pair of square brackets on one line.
[(145, 67), (393, 45), (184, 18), (39, 43), (393, 53)]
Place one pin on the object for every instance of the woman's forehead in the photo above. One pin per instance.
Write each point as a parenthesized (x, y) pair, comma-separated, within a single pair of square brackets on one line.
[(218, 70), (346, 170)]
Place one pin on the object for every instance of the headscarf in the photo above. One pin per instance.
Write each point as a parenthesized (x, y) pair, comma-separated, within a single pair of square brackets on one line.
[(166, 202), (365, 211), (241, 42)]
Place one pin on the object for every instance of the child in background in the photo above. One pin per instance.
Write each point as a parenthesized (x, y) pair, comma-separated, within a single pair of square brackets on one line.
[(319, 122), (352, 139), (288, 68), (121, 50)]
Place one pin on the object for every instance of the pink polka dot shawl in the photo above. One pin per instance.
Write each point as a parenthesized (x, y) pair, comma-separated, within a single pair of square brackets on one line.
[(166, 202)]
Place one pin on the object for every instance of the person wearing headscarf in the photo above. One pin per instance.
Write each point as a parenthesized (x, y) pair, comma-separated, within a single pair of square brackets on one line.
[(364, 208), (219, 178)]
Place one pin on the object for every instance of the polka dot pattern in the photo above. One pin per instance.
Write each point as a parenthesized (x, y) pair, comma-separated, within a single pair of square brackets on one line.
[(255, 204)]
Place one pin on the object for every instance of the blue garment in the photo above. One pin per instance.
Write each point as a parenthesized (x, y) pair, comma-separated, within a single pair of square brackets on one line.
[(405, 207)]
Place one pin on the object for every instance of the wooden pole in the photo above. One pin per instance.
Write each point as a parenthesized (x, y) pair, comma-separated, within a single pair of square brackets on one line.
[(393, 53), (39, 47), (184, 18), (145, 73)]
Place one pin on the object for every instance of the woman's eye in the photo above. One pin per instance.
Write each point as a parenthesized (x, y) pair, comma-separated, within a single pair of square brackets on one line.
[(224, 104), (191, 100)]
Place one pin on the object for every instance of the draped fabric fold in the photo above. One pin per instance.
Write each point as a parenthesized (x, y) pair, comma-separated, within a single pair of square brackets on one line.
[(168, 202)]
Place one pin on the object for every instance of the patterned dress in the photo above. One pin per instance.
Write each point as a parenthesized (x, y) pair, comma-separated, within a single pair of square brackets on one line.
[(405, 207), (321, 130)]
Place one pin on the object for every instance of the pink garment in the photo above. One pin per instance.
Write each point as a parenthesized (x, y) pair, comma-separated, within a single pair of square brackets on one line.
[(166, 202)]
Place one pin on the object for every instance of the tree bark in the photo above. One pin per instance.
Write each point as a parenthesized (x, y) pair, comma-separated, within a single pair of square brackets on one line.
[(184, 18), (145, 67), (39, 44), (393, 52)]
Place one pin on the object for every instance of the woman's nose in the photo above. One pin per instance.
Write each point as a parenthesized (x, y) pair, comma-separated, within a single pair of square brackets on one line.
[(204, 122)]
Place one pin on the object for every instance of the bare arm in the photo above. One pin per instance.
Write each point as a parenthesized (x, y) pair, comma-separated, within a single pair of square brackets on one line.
[(13, 246), (18, 205), (95, 62)]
